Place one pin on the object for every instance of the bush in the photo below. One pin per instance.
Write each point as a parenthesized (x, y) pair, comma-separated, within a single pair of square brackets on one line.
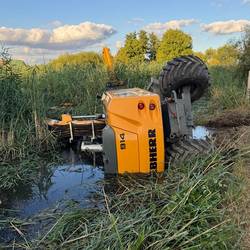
[(76, 59)]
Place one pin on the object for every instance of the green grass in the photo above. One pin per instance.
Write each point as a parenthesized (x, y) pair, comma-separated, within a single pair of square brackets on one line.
[(24, 170), (137, 75), (25, 102), (76, 84), (27, 98), (227, 92), (184, 210)]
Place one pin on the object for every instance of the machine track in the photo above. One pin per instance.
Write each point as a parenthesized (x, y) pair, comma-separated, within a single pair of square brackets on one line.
[(186, 149)]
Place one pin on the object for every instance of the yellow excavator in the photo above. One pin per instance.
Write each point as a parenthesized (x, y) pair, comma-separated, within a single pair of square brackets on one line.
[(114, 82), (143, 130)]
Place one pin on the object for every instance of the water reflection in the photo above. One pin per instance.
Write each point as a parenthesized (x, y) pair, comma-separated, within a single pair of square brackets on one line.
[(201, 132)]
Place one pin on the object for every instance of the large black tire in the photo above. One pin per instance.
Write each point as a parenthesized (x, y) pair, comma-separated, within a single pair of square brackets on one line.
[(184, 71)]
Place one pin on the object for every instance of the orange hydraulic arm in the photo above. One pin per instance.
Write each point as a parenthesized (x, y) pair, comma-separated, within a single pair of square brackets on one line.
[(114, 82), (107, 58)]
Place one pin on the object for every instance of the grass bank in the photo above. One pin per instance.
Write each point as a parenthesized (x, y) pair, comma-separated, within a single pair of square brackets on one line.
[(187, 209), (226, 94)]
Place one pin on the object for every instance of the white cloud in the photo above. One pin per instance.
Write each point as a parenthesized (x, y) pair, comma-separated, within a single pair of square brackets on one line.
[(246, 1), (61, 38), (136, 20), (159, 28), (225, 27), (56, 23)]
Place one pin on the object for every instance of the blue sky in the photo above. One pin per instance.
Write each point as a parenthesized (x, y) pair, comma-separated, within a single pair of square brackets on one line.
[(37, 31)]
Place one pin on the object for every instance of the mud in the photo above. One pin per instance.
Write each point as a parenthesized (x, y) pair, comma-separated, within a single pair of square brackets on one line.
[(231, 118)]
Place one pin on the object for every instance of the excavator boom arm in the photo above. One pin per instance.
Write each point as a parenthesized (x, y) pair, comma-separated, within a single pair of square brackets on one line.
[(107, 58)]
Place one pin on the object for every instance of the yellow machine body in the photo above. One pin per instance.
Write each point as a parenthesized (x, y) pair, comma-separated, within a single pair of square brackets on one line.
[(135, 118)]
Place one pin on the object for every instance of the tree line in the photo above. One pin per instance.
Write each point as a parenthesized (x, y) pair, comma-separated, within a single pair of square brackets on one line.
[(142, 47)]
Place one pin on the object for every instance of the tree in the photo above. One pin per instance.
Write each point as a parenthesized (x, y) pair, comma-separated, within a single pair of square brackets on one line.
[(153, 46), (174, 43), (143, 40), (210, 55), (133, 51), (121, 56), (225, 55)]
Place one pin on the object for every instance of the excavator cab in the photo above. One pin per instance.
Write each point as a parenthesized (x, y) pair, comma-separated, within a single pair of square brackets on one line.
[(133, 139)]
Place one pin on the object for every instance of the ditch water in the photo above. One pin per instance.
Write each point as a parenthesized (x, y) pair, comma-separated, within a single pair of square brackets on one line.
[(72, 185), (56, 189), (201, 132), (68, 183)]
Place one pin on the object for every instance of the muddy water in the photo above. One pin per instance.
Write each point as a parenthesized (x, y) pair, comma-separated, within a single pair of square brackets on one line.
[(55, 190), (73, 182), (201, 132), (68, 183)]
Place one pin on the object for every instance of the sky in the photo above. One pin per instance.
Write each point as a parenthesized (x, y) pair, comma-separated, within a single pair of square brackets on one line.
[(38, 31)]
